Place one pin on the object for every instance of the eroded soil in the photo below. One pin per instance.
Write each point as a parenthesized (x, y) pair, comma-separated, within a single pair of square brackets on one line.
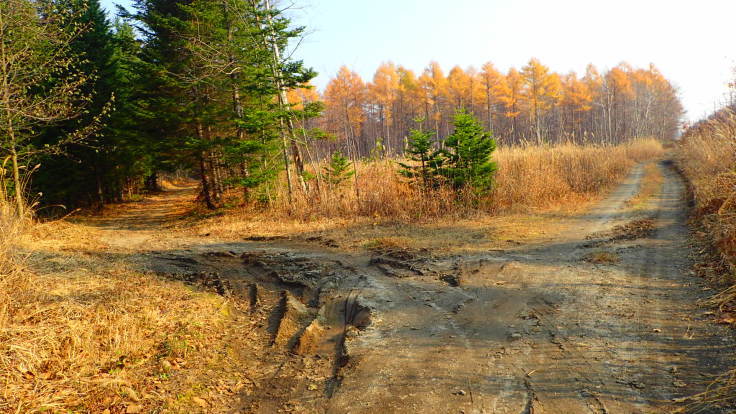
[(602, 317)]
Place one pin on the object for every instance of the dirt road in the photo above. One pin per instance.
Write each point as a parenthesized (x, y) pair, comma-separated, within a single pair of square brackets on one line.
[(602, 317)]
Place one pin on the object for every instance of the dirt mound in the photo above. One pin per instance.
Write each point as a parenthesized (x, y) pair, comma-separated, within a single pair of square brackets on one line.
[(294, 316), (636, 229), (480, 273), (323, 241), (264, 238), (292, 269)]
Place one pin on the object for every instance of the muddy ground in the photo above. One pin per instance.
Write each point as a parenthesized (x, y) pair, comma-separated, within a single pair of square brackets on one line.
[(602, 317)]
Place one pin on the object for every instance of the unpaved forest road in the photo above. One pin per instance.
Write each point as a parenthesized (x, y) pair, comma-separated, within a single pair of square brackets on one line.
[(533, 329)]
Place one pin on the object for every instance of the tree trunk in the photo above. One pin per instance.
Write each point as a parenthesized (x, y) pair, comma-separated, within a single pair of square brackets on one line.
[(489, 110), (216, 178), (286, 165), (19, 204), (205, 170), (100, 189), (284, 102), (205, 183)]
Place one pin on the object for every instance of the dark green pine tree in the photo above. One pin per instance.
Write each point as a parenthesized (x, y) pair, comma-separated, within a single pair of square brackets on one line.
[(426, 160), (467, 155), (166, 107), (78, 177), (215, 85), (338, 170), (129, 162)]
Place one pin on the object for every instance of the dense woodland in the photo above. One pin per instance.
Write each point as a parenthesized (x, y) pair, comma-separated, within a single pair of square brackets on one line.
[(93, 111)]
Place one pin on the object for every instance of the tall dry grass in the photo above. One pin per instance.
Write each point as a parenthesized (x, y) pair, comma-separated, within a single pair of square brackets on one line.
[(81, 332), (707, 157), (528, 178), (547, 176), (12, 280)]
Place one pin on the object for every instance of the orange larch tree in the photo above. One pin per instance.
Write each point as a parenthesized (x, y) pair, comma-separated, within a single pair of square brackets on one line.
[(383, 92), (577, 99), (458, 88), (532, 104), (345, 97), (617, 94), (491, 84), (434, 86), (410, 103), (509, 93), (541, 92)]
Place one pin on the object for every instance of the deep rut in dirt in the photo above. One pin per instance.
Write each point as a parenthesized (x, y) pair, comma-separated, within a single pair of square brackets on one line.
[(601, 318)]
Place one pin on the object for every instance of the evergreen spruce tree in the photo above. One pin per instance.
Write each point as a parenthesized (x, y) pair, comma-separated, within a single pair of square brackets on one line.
[(77, 178), (467, 155), (427, 160), (338, 169), (217, 87)]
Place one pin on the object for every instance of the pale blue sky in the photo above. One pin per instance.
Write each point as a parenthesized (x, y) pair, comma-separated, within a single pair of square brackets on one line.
[(688, 40)]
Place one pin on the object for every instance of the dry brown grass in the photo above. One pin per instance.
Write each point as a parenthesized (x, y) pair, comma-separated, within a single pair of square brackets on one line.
[(719, 393), (529, 178), (650, 186), (546, 177), (707, 157), (82, 332), (538, 189)]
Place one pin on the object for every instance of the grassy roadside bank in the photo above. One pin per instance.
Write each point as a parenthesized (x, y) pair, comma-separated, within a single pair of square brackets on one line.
[(706, 156), (81, 331)]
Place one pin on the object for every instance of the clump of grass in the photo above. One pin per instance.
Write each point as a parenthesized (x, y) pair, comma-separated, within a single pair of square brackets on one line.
[(724, 300), (13, 279), (602, 257), (720, 393)]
